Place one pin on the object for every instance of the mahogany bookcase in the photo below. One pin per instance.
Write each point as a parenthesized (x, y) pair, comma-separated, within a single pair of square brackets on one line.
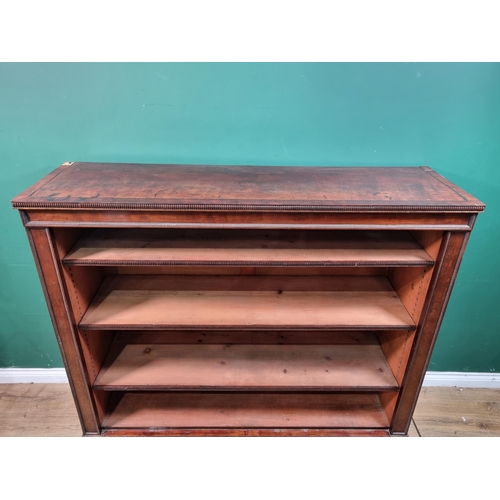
[(260, 301)]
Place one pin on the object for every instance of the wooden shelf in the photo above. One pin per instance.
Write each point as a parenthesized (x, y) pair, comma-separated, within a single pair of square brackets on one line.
[(246, 302), (268, 337), (179, 247), (246, 410), (244, 432), (246, 367)]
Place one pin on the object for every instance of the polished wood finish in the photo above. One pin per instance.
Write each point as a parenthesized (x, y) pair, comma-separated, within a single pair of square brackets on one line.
[(197, 219), (155, 275), (64, 325), (452, 249), (247, 367), (212, 187)]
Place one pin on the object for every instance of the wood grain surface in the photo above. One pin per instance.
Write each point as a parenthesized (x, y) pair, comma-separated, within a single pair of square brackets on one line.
[(251, 248), (242, 432), (249, 302), (246, 367), (94, 185), (38, 410), (49, 410), (453, 411), (228, 337), (251, 222), (246, 410)]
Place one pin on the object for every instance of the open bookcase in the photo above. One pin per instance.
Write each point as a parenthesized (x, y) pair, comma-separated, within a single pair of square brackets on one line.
[(192, 300)]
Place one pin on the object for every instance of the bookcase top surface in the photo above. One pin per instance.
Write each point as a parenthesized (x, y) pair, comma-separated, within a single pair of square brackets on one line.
[(80, 185)]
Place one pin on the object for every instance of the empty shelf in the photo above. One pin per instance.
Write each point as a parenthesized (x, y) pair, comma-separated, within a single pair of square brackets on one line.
[(269, 337), (247, 367), (249, 410), (135, 247), (246, 302)]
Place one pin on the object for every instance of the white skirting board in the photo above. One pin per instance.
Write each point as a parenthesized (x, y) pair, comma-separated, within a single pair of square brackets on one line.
[(490, 380), (33, 376)]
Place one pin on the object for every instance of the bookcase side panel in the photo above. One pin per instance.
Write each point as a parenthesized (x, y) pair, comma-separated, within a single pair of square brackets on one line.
[(444, 274), (61, 315)]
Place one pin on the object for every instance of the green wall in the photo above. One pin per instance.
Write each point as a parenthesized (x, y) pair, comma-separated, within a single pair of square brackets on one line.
[(446, 116)]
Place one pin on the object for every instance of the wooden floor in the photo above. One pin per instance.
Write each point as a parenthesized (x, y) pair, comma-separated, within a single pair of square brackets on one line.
[(48, 410)]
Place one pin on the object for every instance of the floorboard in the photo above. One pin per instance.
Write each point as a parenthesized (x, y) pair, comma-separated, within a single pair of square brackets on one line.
[(412, 431), (48, 410), (37, 410), (451, 411)]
